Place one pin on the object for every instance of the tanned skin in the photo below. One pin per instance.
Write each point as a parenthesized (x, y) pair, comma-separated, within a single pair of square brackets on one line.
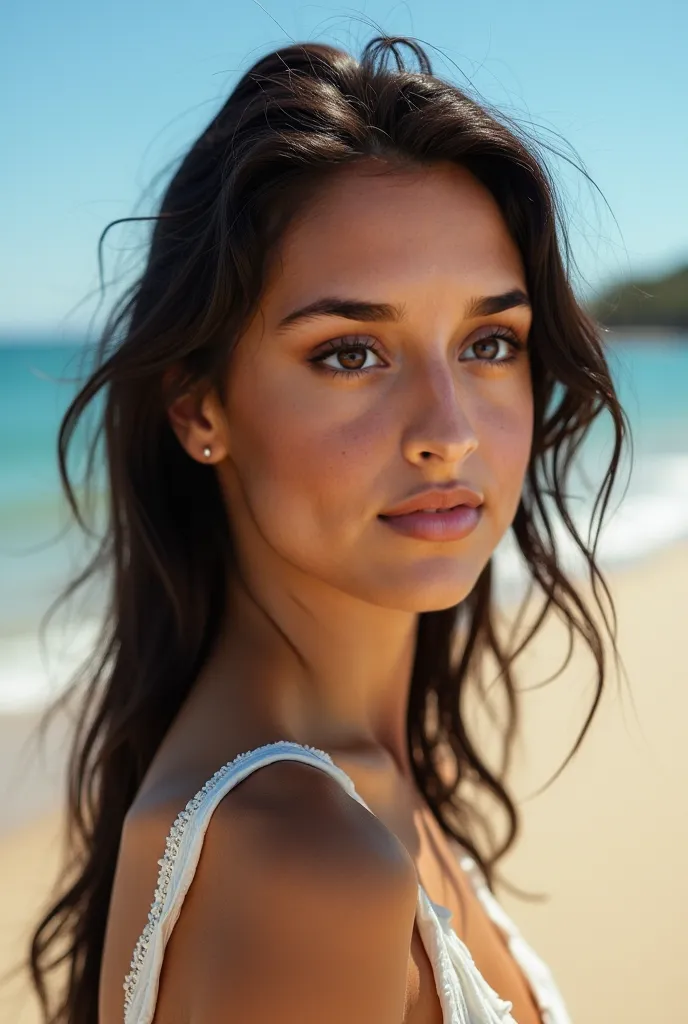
[(303, 905)]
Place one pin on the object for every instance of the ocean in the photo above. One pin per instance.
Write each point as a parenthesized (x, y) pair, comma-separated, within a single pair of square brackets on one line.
[(38, 553)]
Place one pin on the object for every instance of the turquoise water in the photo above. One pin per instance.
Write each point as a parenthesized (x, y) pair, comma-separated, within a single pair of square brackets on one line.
[(651, 373)]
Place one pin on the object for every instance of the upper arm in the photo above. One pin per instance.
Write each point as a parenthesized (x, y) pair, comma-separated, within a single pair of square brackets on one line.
[(301, 917), (142, 844)]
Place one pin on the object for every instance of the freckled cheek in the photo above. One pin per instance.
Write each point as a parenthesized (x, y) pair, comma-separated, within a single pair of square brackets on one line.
[(507, 432), (336, 461), (312, 461)]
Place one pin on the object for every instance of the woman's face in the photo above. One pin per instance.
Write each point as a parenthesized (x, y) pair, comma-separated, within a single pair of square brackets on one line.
[(422, 393)]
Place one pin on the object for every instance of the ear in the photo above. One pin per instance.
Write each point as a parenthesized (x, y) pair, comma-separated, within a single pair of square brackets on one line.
[(198, 420)]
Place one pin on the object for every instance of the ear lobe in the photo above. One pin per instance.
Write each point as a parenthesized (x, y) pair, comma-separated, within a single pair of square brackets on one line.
[(198, 423)]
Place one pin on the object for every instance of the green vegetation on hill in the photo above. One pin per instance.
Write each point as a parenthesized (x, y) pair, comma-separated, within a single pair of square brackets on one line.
[(656, 302)]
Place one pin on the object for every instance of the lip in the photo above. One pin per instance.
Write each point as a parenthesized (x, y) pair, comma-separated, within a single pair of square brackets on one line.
[(452, 524), (438, 497)]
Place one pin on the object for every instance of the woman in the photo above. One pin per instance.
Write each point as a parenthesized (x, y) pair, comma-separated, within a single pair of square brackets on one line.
[(352, 363)]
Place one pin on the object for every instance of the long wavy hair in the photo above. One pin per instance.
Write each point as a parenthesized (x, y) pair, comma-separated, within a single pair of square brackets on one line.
[(299, 113)]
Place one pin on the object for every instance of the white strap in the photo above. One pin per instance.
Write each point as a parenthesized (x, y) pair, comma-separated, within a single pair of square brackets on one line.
[(178, 865)]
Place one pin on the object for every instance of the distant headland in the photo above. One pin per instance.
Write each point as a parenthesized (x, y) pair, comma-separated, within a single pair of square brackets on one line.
[(659, 304), (638, 306)]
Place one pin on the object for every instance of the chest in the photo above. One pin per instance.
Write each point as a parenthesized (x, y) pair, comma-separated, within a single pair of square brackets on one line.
[(446, 883), (492, 958)]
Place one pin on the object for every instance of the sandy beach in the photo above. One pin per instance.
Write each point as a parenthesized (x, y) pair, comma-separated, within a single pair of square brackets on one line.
[(607, 841)]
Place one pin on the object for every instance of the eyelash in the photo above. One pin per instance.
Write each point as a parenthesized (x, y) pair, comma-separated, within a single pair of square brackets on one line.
[(344, 345)]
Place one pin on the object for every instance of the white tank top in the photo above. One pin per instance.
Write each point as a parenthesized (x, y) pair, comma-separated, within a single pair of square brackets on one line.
[(464, 995)]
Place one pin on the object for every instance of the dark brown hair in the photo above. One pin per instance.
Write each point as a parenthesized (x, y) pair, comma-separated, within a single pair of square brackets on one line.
[(296, 115)]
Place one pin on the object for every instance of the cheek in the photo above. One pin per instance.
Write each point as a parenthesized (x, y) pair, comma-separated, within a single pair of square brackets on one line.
[(506, 445), (305, 468)]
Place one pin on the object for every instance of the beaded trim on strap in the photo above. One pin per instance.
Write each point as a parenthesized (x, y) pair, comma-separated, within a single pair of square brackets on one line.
[(167, 862)]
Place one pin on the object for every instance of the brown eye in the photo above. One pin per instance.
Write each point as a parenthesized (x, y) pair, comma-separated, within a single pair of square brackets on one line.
[(352, 359), (486, 349), (349, 356), (495, 349)]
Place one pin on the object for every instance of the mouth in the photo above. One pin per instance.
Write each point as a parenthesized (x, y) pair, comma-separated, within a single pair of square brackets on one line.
[(443, 524)]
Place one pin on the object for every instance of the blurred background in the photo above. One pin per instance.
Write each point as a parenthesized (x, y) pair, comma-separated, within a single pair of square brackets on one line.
[(100, 101)]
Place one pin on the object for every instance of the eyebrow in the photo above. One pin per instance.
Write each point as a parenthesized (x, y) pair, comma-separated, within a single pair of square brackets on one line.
[(489, 304), (375, 312), (349, 309)]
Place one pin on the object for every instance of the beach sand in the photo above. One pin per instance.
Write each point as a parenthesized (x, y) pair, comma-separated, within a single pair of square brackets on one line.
[(608, 840)]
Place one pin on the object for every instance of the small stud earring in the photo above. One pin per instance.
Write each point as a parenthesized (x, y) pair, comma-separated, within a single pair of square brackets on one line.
[(206, 452)]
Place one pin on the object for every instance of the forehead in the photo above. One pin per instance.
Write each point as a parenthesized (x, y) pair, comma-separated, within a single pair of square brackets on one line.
[(369, 230)]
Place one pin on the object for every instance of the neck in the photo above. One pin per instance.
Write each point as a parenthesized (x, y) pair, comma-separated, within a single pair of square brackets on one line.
[(316, 665)]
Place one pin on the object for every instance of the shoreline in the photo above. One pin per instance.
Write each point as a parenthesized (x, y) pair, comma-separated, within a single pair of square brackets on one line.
[(631, 332)]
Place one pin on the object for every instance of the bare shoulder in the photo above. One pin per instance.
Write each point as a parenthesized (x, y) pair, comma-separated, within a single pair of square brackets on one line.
[(142, 844), (302, 908)]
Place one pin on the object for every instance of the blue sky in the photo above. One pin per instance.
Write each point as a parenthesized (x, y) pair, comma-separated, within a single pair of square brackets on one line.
[(101, 97)]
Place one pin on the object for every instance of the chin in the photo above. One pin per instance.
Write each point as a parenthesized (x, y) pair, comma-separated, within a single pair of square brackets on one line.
[(428, 589)]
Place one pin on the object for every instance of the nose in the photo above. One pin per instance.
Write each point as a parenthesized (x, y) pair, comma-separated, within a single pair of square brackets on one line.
[(441, 422)]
